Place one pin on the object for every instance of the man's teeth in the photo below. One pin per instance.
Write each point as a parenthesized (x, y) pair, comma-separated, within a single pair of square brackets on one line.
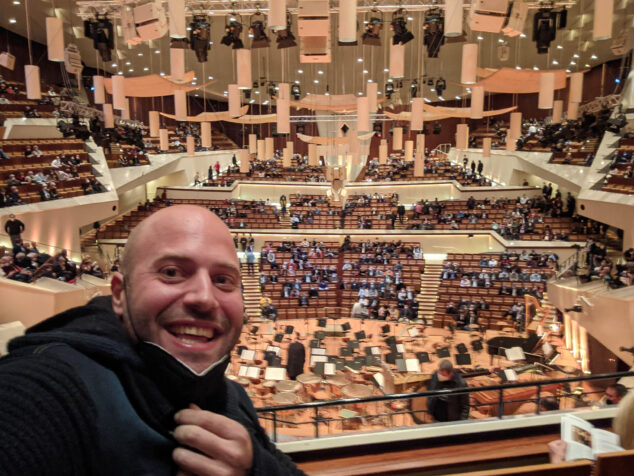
[(193, 331)]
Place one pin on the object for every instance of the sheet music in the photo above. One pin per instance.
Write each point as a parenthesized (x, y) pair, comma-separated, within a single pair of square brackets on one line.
[(247, 354), (376, 351), (253, 371), (515, 353), (510, 375), (273, 348), (400, 348), (380, 380), (318, 351), (275, 373), (318, 358), (329, 368), (412, 365), (412, 331)]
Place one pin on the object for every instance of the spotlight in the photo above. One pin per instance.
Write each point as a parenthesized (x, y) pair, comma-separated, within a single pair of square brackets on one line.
[(258, 30), (100, 30), (389, 90), (434, 29), (436, 129), (200, 31), (399, 26), (378, 130), (232, 35), (285, 39), (255, 85), (271, 90), (247, 93), (296, 92), (441, 85), (430, 82), (372, 35), (414, 88), (300, 129)]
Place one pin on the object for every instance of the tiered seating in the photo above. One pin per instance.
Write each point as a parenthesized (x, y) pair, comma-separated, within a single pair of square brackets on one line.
[(19, 102), (288, 307), (409, 274), (271, 171), (369, 212), (122, 156), (219, 141), (398, 170), (496, 134), (314, 211), (496, 316), (18, 165), (499, 214), (232, 212), (621, 178), (577, 153)]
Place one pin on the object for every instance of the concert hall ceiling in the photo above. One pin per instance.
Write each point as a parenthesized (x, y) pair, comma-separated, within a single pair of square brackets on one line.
[(351, 66)]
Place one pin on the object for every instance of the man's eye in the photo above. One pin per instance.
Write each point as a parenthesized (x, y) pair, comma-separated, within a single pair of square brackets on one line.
[(171, 272)]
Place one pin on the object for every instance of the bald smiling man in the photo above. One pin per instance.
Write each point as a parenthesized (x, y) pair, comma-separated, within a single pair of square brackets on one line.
[(134, 384)]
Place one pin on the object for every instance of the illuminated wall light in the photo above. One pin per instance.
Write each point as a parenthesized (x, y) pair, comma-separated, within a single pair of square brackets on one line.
[(12, 20)]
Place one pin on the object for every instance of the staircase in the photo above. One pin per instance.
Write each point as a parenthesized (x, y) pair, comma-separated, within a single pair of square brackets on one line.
[(551, 318), (252, 293), (285, 220), (429, 288)]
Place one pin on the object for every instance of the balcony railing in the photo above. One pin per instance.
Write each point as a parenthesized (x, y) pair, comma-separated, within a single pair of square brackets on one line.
[(385, 410)]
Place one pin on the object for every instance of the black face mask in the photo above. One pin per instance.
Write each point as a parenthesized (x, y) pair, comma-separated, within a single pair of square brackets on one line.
[(180, 384)]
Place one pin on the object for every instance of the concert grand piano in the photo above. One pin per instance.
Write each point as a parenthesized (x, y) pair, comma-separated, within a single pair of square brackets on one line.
[(528, 345)]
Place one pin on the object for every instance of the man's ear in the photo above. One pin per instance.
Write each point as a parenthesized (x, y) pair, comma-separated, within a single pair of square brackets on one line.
[(117, 287)]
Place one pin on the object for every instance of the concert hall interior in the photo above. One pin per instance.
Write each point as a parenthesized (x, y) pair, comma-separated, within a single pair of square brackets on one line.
[(432, 202)]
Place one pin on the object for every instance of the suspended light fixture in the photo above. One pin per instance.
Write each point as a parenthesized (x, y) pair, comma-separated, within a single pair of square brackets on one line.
[(371, 91), (469, 63), (546, 90), (232, 35), (399, 26), (576, 87), (253, 143), (477, 102), (397, 60), (277, 15), (372, 34), (603, 18), (383, 151), (99, 90), (258, 30), (453, 18), (234, 100), (363, 114), (347, 21), (397, 138), (108, 116), (164, 144), (243, 65), (558, 107), (417, 114), (285, 37), (486, 147), (118, 92), (155, 123), (177, 61), (55, 39), (180, 105), (177, 24), (244, 161)]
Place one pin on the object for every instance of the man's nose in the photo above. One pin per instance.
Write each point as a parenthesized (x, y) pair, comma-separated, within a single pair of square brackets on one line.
[(201, 293)]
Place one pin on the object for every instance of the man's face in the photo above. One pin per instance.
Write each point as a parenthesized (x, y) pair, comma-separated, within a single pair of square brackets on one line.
[(612, 396), (182, 289)]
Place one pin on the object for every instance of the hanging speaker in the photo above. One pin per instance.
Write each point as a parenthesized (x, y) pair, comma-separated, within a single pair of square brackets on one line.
[(253, 144), (397, 61), (164, 140), (191, 145), (7, 60), (108, 116), (283, 110), (347, 21), (469, 63), (371, 91), (363, 114), (177, 25), (417, 114), (397, 138), (277, 15), (477, 102), (576, 87), (453, 18), (603, 18), (546, 90), (234, 100), (177, 64)]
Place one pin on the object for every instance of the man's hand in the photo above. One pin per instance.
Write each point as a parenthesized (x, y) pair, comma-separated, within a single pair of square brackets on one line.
[(557, 451), (211, 444)]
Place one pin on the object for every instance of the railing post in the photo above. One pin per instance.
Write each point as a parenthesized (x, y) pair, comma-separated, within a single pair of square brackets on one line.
[(316, 422), (274, 426), (501, 404), (539, 398)]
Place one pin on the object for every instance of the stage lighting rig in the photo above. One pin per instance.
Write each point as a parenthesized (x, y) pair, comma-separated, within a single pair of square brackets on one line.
[(258, 30), (372, 34), (200, 32), (434, 36), (399, 26), (100, 30), (296, 91), (389, 90), (232, 35), (545, 24), (441, 85), (285, 38)]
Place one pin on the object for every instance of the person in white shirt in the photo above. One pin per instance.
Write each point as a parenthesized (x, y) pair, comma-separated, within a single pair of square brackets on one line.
[(57, 163), (36, 152)]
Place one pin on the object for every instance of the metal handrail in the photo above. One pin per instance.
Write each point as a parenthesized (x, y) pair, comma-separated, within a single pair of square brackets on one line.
[(458, 391), (317, 419)]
